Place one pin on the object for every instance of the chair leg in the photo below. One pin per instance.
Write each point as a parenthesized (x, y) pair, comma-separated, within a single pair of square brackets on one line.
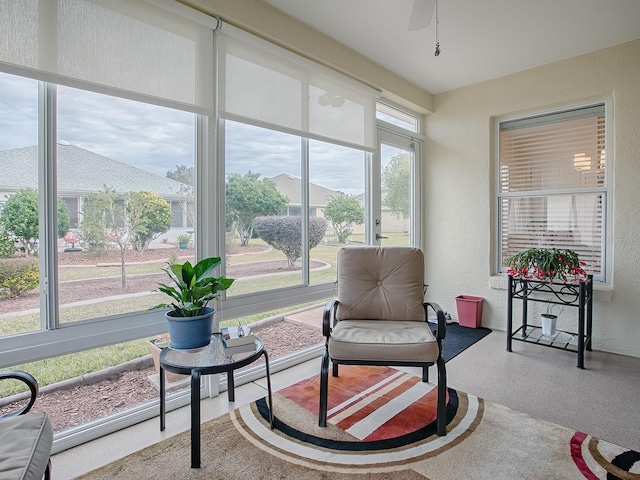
[(324, 390), (334, 369), (425, 373), (441, 419)]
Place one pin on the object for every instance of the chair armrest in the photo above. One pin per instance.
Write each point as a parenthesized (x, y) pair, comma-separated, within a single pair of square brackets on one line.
[(29, 381), (331, 305), (441, 331)]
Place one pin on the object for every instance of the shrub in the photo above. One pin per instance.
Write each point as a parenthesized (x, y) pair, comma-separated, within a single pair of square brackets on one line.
[(343, 211), (149, 216), (20, 217), (7, 244), (285, 234), (19, 275)]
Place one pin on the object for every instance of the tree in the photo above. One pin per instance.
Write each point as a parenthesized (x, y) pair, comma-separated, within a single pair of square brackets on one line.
[(104, 220), (7, 244), (247, 198), (20, 218), (396, 181), (183, 174), (342, 211), (186, 176), (149, 215), (285, 234), (64, 221)]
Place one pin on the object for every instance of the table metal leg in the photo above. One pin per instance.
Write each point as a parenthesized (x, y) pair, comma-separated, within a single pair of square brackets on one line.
[(162, 399), (231, 386), (266, 365), (195, 418), (509, 315), (581, 321)]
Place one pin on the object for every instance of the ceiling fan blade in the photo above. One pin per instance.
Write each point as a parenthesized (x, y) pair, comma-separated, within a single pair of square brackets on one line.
[(421, 14)]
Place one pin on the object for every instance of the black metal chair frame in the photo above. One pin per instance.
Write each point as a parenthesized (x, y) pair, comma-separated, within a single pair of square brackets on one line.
[(439, 333), (31, 382)]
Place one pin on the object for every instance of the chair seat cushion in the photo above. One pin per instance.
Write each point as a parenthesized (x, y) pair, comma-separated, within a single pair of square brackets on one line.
[(26, 454), (383, 341)]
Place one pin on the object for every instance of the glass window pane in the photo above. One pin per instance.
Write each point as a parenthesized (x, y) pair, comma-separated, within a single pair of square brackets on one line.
[(396, 164), (553, 187), (397, 117), (105, 381), (572, 222), (263, 179), (129, 169), (19, 218), (336, 191)]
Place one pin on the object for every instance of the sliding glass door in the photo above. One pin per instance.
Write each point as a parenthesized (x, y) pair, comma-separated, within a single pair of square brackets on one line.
[(397, 201)]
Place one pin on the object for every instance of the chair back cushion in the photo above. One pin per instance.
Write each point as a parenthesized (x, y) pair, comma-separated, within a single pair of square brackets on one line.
[(381, 283), (25, 447)]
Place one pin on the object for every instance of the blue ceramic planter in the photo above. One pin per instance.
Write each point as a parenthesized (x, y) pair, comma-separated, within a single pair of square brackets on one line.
[(190, 332)]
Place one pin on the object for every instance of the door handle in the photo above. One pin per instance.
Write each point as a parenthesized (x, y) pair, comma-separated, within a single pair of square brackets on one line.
[(378, 236)]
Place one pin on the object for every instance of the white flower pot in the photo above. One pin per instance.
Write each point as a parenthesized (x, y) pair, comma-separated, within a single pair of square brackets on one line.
[(548, 322)]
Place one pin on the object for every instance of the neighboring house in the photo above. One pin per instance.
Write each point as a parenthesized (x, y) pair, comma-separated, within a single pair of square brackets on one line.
[(320, 196), (81, 172)]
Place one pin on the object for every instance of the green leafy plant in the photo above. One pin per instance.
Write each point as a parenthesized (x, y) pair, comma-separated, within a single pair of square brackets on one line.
[(547, 264), (184, 238), (194, 287)]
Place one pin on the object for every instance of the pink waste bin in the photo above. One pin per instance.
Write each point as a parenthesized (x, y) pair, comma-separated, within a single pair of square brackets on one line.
[(469, 310)]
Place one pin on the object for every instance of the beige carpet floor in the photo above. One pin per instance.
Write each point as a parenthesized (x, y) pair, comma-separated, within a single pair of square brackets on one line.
[(484, 441)]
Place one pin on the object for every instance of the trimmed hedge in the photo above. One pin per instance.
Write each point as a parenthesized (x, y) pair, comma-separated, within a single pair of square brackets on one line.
[(18, 275), (285, 234)]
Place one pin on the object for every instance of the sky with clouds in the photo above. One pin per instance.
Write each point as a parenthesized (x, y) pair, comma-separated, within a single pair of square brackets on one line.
[(156, 139)]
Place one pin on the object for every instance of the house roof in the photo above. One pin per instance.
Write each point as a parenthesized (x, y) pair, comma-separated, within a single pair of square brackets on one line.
[(81, 172), (290, 186)]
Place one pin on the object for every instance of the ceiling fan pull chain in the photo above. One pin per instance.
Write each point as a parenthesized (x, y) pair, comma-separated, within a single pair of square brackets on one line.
[(437, 31)]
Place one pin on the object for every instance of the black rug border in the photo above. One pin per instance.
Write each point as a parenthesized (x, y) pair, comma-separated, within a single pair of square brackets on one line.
[(473, 335)]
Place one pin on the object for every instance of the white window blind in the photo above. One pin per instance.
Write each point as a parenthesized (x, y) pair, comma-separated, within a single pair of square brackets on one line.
[(270, 87), (552, 184), (126, 48)]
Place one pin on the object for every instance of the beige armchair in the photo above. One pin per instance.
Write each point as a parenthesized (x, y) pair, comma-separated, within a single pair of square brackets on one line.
[(380, 318), (27, 437)]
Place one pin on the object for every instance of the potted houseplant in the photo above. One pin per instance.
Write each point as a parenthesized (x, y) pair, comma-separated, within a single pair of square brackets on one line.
[(190, 319), (547, 264), (549, 320), (183, 240)]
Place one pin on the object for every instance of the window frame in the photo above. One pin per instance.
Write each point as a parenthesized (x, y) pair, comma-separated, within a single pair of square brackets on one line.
[(606, 190)]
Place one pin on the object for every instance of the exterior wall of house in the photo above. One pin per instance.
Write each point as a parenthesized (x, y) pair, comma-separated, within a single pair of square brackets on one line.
[(459, 181)]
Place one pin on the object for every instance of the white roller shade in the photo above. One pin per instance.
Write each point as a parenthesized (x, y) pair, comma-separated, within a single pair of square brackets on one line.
[(127, 48), (268, 86)]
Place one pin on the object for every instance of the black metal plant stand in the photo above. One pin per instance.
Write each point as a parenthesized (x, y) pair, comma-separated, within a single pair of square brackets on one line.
[(578, 295)]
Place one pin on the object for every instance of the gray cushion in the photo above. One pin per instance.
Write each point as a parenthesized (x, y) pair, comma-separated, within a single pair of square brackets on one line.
[(380, 283), (25, 447), (383, 341)]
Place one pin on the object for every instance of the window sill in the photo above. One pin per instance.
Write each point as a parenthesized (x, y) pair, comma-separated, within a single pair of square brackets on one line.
[(602, 292)]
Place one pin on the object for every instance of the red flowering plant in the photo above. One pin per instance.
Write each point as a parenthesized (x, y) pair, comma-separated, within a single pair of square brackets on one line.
[(547, 264)]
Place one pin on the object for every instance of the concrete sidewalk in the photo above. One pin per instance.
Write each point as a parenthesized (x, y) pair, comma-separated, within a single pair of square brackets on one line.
[(309, 318)]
